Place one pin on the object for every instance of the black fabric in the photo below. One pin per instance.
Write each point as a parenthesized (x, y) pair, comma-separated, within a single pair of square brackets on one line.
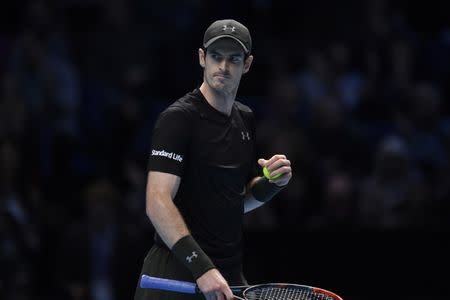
[(228, 28), (192, 256), (161, 262), (216, 160), (263, 190), (170, 140)]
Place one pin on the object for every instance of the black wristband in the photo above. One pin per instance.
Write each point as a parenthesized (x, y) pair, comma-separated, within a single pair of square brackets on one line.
[(263, 190), (192, 256)]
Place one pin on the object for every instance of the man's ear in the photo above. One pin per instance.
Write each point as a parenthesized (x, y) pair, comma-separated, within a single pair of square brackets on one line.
[(248, 63), (201, 57)]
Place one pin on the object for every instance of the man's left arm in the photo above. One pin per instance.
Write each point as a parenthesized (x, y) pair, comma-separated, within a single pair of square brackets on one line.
[(260, 189)]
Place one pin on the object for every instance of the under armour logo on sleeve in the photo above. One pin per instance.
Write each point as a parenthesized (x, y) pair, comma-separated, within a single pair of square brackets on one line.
[(190, 258)]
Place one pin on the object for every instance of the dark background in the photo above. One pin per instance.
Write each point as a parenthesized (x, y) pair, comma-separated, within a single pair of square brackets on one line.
[(356, 93)]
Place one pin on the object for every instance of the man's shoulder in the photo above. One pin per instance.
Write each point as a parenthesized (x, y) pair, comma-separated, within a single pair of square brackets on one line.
[(183, 105)]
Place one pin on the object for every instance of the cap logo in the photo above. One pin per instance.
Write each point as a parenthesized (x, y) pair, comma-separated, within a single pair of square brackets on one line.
[(232, 28)]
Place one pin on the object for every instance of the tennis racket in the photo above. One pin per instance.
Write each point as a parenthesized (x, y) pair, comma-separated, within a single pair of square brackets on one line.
[(269, 291)]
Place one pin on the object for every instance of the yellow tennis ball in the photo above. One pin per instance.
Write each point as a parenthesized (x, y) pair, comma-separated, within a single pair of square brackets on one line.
[(267, 175)]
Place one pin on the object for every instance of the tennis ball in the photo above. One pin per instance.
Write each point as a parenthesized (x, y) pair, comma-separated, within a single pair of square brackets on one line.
[(267, 175)]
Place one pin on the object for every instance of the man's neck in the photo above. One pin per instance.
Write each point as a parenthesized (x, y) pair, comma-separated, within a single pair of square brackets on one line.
[(221, 102)]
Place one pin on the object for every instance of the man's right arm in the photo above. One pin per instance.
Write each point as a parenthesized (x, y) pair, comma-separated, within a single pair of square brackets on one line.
[(169, 224), (164, 215)]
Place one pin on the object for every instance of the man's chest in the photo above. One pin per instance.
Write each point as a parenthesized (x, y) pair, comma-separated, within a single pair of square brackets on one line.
[(222, 143)]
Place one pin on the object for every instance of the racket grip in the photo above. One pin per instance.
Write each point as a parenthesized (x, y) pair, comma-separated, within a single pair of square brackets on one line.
[(150, 282)]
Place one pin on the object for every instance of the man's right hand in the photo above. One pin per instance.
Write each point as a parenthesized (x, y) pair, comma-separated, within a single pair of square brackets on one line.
[(214, 286)]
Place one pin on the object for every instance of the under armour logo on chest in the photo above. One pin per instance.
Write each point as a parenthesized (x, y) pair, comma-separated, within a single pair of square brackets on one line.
[(245, 135), (190, 258), (232, 28)]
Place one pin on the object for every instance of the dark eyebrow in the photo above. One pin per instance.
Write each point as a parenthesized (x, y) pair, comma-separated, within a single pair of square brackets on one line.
[(238, 54), (214, 52)]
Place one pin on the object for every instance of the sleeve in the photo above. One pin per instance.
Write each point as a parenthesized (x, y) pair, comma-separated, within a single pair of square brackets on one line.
[(170, 141)]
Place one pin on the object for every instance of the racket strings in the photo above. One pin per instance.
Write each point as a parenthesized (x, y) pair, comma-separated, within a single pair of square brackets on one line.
[(279, 293)]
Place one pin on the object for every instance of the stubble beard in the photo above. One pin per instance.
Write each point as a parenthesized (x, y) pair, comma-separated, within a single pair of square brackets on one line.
[(219, 87)]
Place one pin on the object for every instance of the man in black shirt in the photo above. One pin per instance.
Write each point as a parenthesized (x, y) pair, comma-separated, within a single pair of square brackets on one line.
[(203, 174)]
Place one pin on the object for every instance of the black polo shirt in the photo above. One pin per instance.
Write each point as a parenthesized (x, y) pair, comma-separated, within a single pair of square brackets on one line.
[(214, 154)]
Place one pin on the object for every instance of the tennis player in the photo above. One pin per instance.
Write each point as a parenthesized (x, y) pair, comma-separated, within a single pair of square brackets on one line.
[(203, 174)]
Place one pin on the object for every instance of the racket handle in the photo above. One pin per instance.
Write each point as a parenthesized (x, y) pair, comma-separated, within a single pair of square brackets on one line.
[(150, 282)]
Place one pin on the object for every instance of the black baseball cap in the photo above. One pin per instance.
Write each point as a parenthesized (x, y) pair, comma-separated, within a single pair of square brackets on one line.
[(228, 28)]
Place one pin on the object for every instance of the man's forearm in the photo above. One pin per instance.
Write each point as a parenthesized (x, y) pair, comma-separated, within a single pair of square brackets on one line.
[(259, 191), (166, 219), (172, 229), (250, 203)]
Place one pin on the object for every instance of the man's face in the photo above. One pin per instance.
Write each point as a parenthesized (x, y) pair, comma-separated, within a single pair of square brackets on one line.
[(224, 63)]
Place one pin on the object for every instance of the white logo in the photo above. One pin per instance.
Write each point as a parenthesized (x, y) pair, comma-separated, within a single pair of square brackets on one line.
[(245, 135), (225, 27), (190, 258), (171, 155)]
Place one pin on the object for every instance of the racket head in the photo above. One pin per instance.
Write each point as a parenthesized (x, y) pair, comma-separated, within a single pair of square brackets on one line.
[(282, 291)]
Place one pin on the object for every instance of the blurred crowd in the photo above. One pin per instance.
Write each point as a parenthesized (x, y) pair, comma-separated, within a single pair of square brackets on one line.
[(355, 93)]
